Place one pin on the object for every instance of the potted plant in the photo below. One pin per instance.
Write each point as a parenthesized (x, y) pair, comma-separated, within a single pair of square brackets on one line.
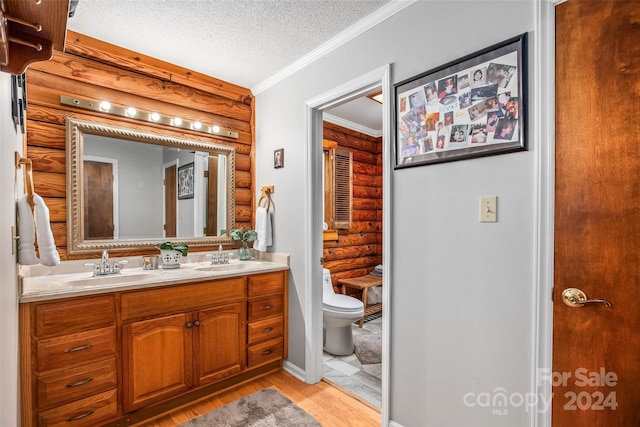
[(171, 254), (245, 236)]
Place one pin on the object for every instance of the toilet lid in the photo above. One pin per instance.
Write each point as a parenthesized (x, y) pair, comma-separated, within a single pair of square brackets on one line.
[(339, 302)]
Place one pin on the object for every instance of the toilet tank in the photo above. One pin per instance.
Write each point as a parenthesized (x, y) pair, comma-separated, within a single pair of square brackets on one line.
[(327, 286)]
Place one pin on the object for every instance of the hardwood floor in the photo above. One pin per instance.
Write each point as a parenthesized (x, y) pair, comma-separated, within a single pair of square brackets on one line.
[(329, 405)]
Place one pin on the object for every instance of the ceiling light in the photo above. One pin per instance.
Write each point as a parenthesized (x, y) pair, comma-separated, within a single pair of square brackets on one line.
[(376, 96), (145, 116)]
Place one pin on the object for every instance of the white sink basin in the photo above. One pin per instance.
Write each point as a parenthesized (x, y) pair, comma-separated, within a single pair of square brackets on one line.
[(109, 280), (225, 267)]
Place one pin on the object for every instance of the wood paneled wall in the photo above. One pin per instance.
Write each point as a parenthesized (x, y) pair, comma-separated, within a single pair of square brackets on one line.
[(358, 249), (94, 70)]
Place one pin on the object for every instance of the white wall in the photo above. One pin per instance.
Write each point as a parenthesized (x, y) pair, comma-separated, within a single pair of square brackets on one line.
[(461, 290), (10, 179)]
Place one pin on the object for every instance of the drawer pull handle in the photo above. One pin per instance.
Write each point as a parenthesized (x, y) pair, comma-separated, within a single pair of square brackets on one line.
[(266, 352), (196, 323), (79, 383), (188, 325), (266, 330), (79, 417), (73, 350), (266, 307)]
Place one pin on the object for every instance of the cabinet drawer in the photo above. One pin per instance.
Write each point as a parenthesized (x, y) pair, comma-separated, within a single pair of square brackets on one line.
[(74, 315), (76, 383), (163, 301), (265, 329), (264, 284), (85, 412), (259, 308), (75, 349), (265, 352)]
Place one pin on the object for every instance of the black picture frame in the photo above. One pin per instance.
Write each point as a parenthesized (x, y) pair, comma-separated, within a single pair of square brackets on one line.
[(278, 158), (185, 181), (472, 107)]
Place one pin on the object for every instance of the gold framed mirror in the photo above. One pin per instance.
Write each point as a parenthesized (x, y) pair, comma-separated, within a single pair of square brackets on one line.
[(132, 190)]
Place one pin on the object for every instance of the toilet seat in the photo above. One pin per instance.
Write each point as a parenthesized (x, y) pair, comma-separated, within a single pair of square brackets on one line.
[(342, 303)]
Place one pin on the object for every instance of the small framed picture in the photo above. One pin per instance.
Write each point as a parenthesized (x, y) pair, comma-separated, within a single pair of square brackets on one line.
[(185, 181), (278, 158)]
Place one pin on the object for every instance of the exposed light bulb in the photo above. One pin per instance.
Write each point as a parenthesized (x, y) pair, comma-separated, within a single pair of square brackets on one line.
[(130, 111), (196, 125), (215, 128), (154, 117), (177, 121), (105, 106)]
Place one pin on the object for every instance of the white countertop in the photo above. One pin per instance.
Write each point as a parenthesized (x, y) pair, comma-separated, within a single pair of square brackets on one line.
[(72, 278)]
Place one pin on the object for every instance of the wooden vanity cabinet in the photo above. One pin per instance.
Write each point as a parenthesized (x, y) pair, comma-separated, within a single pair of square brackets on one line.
[(121, 357), (201, 342), (266, 318), (69, 361)]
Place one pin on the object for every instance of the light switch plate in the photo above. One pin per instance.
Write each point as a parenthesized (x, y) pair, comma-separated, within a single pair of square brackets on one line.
[(489, 209)]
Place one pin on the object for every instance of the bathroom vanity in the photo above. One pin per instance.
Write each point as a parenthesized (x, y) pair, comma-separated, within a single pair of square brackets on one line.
[(116, 350)]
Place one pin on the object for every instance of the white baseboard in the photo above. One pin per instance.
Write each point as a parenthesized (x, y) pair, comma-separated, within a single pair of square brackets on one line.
[(294, 370), (394, 424)]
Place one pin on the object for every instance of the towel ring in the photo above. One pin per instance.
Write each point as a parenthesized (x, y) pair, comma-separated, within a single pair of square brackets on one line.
[(28, 175), (265, 196)]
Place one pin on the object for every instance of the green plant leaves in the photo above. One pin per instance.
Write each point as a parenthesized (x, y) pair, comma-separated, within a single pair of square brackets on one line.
[(246, 236), (180, 247)]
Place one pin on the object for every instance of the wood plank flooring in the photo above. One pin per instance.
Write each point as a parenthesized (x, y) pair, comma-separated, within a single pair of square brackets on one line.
[(331, 406)]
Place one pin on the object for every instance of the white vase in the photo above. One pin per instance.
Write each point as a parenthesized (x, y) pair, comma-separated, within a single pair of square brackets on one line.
[(170, 258)]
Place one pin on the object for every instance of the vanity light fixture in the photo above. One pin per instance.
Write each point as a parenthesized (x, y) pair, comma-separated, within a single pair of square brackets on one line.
[(154, 117)]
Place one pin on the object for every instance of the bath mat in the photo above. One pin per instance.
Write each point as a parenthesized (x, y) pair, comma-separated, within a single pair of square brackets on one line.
[(264, 408), (368, 345)]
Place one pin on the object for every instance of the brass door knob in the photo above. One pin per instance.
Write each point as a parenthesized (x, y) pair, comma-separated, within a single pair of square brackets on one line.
[(574, 297)]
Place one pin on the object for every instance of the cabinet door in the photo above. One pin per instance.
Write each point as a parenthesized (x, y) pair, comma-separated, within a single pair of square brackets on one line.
[(157, 359), (219, 342)]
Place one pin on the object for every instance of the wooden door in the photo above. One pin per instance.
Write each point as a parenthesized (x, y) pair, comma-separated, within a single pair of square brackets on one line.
[(157, 359), (170, 201), (219, 342), (212, 197), (596, 368), (98, 200)]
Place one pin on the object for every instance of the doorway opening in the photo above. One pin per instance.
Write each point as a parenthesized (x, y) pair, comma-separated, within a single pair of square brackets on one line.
[(377, 79), (352, 244)]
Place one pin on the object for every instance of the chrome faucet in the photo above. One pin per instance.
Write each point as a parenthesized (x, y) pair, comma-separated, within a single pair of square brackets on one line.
[(104, 263), (104, 267), (220, 257)]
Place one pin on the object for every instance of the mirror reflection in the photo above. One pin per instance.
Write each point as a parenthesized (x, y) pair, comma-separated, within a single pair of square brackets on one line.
[(133, 188)]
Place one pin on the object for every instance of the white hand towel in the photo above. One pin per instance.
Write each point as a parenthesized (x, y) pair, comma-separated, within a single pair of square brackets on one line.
[(263, 228), (46, 245), (27, 232)]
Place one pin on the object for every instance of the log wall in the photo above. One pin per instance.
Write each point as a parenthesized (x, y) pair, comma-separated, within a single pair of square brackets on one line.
[(358, 249), (94, 70)]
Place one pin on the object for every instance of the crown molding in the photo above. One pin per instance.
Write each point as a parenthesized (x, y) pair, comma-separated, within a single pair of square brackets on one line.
[(382, 14), (351, 125)]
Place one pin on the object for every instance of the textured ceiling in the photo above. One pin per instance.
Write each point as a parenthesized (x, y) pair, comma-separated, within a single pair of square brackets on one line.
[(238, 41)]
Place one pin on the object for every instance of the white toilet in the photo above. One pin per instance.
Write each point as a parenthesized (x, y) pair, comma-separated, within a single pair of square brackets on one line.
[(338, 313)]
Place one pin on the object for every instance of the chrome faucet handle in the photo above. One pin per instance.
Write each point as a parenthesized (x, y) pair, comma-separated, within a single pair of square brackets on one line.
[(95, 266)]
